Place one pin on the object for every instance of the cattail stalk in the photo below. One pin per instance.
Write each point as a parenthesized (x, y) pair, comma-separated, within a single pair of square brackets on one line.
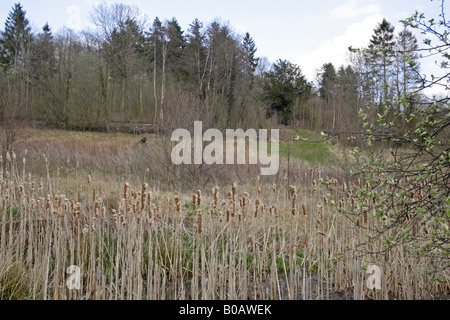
[(256, 207), (215, 194), (125, 190)]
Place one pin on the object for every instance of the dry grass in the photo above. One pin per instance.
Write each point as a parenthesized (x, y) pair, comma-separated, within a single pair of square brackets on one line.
[(244, 240)]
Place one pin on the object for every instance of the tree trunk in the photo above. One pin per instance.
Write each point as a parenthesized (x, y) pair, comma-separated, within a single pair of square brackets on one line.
[(163, 85), (154, 85)]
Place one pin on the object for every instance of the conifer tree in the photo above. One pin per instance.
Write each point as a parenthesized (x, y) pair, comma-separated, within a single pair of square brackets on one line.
[(16, 39), (176, 44), (43, 68), (327, 81), (381, 51), (250, 60), (196, 55)]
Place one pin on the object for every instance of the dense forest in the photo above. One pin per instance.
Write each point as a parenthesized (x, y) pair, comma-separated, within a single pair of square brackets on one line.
[(129, 70)]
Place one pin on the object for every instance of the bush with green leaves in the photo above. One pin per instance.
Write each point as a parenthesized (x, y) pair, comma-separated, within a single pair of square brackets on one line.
[(404, 167)]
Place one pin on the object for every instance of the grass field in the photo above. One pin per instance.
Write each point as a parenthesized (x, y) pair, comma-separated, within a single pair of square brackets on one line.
[(309, 149)]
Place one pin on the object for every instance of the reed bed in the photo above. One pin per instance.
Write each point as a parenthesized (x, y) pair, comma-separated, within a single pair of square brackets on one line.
[(263, 241)]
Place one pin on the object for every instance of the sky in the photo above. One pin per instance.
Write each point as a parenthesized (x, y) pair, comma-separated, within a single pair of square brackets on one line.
[(307, 33)]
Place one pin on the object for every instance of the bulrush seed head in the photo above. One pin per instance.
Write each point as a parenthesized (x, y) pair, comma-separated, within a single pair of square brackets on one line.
[(319, 213), (125, 190), (257, 201), (199, 221), (194, 201), (199, 197), (293, 191)]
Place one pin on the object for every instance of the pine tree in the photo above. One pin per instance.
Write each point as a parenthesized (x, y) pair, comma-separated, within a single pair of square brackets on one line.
[(408, 71), (16, 39), (327, 81), (195, 35), (196, 55), (43, 57), (347, 84), (176, 44), (328, 92), (124, 48), (16, 44), (43, 69), (407, 58), (124, 52), (159, 44), (3, 57), (381, 50), (250, 60)]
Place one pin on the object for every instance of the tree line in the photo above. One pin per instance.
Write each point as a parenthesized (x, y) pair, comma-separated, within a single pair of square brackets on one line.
[(131, 70)]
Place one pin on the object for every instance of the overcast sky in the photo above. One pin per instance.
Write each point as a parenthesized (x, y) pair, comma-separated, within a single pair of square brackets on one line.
[(308, 33)]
